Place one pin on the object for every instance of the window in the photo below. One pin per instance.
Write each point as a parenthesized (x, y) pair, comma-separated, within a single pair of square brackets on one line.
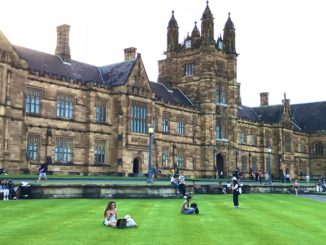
[(244, 164), (220, 94), (268, 139), (180, 160), (99, 152), (220, 130), (180, 126), (100, 111), (253, 138), (63, 150), (138, 119), (287, 139), (221, 110), (155, 119), (243, 139), (319, 149), (32, 101), (254, 163), (33, 147), (165, 124), (189, 69), (65, 106), (165, 157)]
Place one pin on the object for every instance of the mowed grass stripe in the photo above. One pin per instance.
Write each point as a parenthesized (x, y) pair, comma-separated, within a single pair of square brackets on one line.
[(261, 219)]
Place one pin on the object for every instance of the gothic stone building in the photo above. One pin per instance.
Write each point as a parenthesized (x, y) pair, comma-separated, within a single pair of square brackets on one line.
[(94, 120)]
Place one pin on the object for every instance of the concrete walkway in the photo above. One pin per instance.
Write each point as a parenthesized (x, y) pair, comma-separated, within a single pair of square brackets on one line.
[(321, 198)]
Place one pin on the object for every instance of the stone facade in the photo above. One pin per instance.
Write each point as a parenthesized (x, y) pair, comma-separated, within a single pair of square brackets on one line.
[(93, 120)]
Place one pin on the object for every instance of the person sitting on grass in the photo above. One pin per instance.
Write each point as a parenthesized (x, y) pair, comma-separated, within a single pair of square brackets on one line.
[(186, 209), (111, 214)]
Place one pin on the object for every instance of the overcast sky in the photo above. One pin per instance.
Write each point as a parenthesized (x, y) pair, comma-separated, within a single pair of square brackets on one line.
[(281, 43)]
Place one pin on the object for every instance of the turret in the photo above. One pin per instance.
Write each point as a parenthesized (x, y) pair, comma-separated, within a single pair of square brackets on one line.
[(173, 34), (207, 26), (195, 36), (229, 37)]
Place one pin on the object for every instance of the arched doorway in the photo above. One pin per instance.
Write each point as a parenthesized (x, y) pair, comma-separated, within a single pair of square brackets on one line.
[(220, 163), (135, 166)]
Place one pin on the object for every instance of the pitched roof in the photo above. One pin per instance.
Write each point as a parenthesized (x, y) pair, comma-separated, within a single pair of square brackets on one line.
[(111, 75), (117, 74), (172, 96), (309, 117), (247, 113), (54, 66)]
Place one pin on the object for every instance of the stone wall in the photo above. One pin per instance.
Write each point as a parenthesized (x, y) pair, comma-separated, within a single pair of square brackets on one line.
[(142, 191)]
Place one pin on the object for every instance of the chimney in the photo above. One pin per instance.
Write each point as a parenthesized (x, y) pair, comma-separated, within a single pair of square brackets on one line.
[(63, 49), (264, 99), (130, 53)]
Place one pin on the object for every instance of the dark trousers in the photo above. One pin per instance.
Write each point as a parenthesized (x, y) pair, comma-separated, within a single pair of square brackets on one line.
[(182, 189), (236, 198)]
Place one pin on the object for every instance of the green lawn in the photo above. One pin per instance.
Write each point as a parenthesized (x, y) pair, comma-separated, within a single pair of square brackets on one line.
[(261, 219)]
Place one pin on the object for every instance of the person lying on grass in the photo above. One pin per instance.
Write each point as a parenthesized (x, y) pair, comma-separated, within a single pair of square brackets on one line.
[(111, 214)]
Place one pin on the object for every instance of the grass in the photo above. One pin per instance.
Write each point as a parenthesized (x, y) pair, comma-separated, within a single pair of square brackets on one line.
[(261, 219)]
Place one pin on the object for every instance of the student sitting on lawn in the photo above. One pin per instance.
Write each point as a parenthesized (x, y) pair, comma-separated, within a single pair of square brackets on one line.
[(111, 214), (186, 209)]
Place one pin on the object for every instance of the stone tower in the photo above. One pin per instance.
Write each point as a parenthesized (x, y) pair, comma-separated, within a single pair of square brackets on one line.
[(205, 70)]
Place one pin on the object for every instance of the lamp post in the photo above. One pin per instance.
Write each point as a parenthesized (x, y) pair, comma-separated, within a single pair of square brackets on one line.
[(149, 174), (269, 150)]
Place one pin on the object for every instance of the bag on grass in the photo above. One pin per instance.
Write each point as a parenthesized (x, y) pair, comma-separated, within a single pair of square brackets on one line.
[(122, 223), (195, 206)]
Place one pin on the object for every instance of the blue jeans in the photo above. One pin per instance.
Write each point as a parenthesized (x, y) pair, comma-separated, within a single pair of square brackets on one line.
[(188, 211)]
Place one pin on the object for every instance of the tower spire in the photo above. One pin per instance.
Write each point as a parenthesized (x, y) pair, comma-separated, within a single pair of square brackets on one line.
[(229, 36), (173, 34), (207, 25)]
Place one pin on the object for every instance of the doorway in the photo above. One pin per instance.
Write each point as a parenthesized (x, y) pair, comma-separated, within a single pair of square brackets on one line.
[(135, 166), (220, 164)]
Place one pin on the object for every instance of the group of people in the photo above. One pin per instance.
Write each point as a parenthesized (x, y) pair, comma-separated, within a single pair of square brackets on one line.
[(321, 184), (179, 183), (8, 189)]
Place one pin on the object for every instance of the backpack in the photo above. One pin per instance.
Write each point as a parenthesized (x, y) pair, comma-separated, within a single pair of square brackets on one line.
[(122, 223), (195, 206)]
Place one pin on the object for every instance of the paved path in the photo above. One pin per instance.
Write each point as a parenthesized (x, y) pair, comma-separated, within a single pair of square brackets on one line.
[(321, 198)]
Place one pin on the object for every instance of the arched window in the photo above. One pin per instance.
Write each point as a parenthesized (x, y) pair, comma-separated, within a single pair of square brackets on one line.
[(319, 149)]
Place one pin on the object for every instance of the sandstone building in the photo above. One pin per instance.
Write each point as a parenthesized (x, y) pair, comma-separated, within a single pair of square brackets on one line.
[(94, 120)]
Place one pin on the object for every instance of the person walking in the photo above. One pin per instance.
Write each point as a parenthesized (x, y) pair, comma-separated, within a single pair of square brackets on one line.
[(42, 172), (235, 189), (296, 186)]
